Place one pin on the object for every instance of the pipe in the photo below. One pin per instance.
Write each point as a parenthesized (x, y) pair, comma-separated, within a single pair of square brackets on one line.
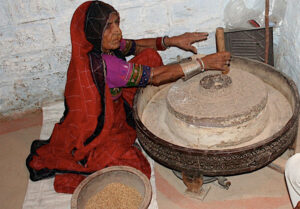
[(267, 35)]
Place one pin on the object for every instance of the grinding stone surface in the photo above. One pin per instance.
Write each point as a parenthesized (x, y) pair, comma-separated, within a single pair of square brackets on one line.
[(216, 100), (162, 123)]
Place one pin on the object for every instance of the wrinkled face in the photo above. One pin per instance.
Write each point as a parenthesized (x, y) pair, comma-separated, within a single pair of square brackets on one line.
[(112, 34)]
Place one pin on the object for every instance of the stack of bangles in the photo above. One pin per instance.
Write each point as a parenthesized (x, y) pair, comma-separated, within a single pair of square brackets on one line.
[(160, 43), (192, 68)]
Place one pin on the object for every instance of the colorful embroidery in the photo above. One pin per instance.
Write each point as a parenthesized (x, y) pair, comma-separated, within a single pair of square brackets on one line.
[(120, 73), (145, 76), (136, 74)]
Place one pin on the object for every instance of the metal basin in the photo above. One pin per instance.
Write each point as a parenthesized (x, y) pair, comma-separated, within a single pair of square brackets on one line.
[(97, 181)]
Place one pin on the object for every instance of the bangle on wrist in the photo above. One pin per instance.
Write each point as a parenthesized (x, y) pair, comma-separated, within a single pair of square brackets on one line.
[(190, 69), (151, 76), (163, 43), (159, 45), (201, 63)]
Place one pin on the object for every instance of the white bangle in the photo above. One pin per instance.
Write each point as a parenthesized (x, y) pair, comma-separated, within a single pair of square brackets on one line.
[(190, 69), (151, 76), (202, 64)]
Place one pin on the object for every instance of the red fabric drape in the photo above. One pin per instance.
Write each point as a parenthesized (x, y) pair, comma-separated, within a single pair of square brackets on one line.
[(113, 146)]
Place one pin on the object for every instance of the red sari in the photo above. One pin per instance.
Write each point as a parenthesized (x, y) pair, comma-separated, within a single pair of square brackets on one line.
[(66, 154)]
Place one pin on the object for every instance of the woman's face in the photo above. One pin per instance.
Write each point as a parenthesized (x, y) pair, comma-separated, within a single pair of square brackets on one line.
[(112, 34)]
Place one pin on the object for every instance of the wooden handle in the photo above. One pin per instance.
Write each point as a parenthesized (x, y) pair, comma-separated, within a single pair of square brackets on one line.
[(220, 42)]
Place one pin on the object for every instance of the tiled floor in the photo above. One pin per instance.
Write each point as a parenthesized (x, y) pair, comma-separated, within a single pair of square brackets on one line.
[(262, 189)]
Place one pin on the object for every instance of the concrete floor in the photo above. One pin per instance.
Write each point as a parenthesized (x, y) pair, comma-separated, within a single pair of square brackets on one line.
[(262, 189), (16, 136)]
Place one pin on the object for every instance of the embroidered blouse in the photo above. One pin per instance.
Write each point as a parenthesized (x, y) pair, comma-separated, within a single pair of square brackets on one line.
[(120, 73)]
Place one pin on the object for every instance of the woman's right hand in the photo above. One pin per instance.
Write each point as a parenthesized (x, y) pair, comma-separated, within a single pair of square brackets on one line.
[(217, 61)]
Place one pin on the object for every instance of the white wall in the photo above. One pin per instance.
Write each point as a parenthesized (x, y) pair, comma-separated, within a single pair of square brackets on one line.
[(288, 54), (34, 55), (35, 42)]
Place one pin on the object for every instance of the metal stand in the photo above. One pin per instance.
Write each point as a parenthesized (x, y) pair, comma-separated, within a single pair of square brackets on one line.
[(195, 184)]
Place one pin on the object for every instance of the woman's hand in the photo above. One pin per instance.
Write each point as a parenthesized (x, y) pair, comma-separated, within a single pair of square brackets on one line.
[(217, 61), (186, 40)]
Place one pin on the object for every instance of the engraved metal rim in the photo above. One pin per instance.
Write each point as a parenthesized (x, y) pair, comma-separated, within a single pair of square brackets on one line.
[(268, 140), (253, 160)]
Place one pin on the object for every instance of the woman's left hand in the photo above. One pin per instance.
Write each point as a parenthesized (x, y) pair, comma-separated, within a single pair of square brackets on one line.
[(186, 40)]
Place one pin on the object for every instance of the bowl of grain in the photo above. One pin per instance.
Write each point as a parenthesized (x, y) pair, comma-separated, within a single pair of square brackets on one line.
[(112, 188)]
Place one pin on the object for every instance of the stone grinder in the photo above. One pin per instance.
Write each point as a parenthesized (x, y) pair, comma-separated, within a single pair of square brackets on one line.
[(218, 124)]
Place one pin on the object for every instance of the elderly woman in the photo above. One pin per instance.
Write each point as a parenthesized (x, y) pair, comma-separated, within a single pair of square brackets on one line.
[(97, 129)]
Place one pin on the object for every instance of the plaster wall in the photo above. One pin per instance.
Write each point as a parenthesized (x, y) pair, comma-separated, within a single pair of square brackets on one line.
[(288, 51), (35, 41)]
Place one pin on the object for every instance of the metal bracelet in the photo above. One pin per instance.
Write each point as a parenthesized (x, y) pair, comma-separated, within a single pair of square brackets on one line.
[(190, 69), (202, 64), (163, 42), (151, 76)]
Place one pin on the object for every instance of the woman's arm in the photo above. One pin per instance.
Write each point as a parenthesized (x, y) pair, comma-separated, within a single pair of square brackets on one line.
[(169, 73), (142, 44), (165, 74), (183, 41)]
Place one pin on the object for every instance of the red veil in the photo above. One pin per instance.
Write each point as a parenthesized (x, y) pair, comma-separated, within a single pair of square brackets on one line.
[(65, 154)]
